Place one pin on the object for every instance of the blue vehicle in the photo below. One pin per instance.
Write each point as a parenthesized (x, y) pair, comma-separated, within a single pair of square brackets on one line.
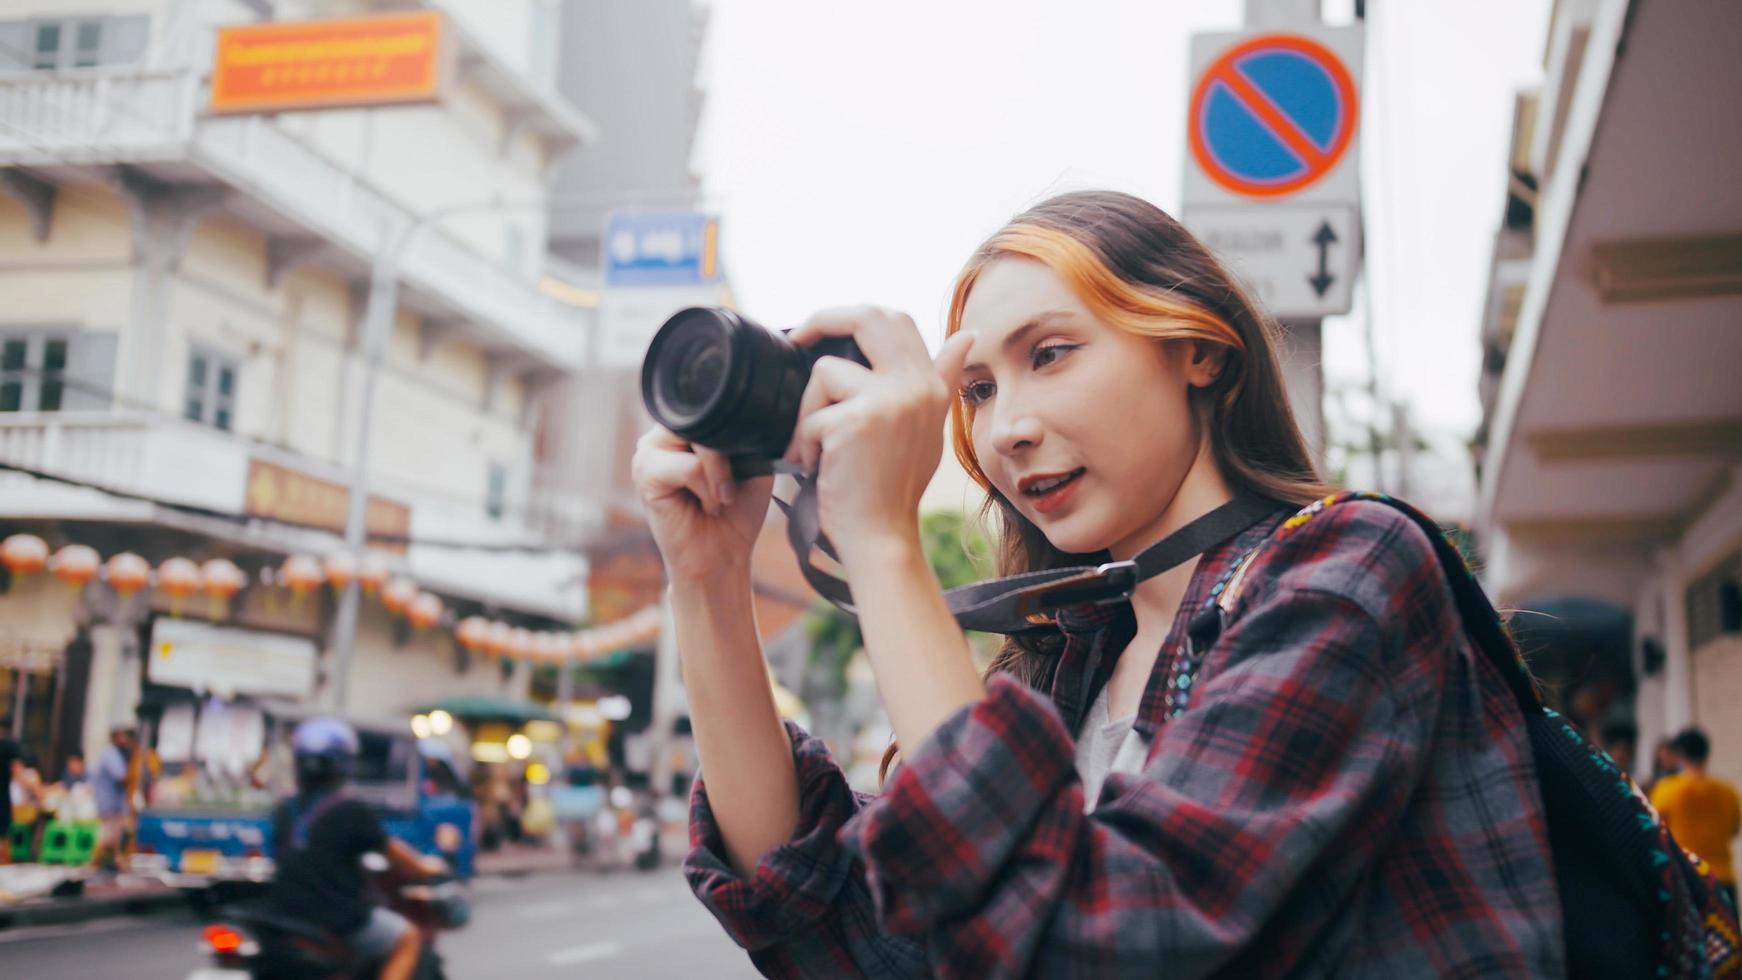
[(207, 829)]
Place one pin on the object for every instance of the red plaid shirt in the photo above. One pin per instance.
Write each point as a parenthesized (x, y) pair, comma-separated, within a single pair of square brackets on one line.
[(1349, 793)]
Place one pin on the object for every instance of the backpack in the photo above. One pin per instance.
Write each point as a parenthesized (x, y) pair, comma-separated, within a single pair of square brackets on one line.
[(1634, 903)]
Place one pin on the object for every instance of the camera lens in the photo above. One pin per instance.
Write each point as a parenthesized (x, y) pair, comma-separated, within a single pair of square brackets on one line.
[(724, 382), (697, 356)]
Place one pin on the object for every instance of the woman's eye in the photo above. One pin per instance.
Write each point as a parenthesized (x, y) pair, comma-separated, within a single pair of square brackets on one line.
[(1046, 355), (976, 392)]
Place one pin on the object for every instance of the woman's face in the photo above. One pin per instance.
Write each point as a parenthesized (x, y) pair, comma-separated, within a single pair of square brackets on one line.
[(1086, 429)]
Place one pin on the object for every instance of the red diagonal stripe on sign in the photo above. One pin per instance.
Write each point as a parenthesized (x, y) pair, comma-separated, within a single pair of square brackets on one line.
[(1273, 118)]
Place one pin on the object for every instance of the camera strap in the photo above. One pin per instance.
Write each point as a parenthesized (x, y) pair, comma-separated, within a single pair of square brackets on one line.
[(1030, 601)]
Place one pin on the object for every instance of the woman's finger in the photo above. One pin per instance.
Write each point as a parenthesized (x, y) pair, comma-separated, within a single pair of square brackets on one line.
[(832, 380), (717, 469), (664, 472), (886, 338), (813, 431), (951, 357)]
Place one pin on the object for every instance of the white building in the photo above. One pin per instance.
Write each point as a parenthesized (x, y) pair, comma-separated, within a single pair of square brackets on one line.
[(181, 345), (1612, 467)]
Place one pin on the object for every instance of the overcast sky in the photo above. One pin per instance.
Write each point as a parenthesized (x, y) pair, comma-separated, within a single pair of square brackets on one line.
[(858, 152)]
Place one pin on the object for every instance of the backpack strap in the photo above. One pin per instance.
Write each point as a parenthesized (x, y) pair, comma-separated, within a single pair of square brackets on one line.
[(304, 815), (1485, 625)]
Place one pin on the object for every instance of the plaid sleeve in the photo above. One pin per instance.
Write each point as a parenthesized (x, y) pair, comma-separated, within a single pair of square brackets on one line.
[(1257, 814), (805, 911)]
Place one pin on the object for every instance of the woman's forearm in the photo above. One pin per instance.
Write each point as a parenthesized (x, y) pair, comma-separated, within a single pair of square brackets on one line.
[(744, 750), (924, 670)]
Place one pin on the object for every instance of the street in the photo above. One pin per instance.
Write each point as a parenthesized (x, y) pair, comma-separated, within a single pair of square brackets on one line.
[(547, 925)]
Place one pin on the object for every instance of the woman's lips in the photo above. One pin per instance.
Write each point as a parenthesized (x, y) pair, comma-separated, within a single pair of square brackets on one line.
[(1057, 497)]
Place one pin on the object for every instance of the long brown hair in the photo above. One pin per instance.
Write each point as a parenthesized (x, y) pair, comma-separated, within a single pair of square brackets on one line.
[(1139, 270)]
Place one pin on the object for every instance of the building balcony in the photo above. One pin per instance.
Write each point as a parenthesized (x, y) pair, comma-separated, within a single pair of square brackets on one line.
[(136, 468), (79, 125)]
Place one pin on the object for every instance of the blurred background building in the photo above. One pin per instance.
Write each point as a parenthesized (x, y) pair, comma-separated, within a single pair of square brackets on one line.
[(183, 366), (1610, 454)]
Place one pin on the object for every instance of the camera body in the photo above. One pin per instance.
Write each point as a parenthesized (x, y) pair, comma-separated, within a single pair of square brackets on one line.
[(724, 381)]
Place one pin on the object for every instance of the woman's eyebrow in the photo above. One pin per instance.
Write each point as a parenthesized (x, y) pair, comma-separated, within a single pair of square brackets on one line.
[(1015, 338)]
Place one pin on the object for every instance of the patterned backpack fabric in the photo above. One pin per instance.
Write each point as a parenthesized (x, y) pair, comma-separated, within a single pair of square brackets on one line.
[(1635, 903)]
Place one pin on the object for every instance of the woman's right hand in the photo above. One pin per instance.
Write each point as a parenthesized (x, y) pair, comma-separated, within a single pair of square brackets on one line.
[(704, 522)]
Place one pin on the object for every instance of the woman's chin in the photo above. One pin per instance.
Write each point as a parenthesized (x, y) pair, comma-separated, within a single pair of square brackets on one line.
[(1074, 535)]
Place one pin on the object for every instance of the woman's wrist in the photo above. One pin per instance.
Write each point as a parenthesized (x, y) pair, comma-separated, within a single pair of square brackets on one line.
[(881, 552)]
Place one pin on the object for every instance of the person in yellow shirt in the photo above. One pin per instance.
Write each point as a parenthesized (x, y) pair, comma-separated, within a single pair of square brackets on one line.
[(1702, 813)]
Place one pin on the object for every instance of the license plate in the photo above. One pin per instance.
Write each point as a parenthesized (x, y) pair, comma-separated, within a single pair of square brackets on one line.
[(199, 862)]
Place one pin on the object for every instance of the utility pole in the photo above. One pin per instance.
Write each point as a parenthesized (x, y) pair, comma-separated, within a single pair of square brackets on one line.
[(1303, 347)]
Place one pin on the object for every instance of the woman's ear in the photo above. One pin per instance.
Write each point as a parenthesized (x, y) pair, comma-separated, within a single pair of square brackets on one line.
[(1206, 364)]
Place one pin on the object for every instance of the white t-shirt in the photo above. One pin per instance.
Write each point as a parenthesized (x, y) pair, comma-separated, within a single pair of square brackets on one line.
[(1106, 745)]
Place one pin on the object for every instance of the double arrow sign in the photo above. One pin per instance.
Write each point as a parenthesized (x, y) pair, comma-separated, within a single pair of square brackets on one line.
[(1322, 280)]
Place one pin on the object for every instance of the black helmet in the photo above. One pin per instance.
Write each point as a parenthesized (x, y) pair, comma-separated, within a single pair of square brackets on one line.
[(325, 748)]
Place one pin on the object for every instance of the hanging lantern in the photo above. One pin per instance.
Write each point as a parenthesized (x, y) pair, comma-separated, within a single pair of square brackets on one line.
[(398, 595), (425, 610), (24, 554), (179, 578), (340, 569), (76, 564), (223, 579), (127, 573), (553, 648), (473, 633), (372, 574), (520, 646), (498, 639), (301, 574)]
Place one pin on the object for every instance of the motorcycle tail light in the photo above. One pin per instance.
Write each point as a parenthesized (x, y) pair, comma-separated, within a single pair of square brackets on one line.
[(223, 939)]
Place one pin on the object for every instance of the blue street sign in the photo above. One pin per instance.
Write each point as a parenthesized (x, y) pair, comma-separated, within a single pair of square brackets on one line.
[(661, 248)]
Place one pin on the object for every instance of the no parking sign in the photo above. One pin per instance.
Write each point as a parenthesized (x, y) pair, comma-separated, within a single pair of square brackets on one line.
[(1271, 175)]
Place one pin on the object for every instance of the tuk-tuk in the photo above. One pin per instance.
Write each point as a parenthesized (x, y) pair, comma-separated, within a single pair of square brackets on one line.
[(225, 765)]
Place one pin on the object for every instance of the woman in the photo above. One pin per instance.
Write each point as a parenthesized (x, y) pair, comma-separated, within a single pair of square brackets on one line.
[(1340, 787)]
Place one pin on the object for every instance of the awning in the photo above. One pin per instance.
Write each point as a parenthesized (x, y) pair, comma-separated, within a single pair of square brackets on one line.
[(478, 707)]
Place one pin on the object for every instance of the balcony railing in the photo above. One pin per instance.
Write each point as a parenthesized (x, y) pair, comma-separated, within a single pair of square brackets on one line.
[(138, 116)]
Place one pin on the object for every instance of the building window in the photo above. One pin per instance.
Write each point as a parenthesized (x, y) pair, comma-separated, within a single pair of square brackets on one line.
[(73, 42), (1714, 602), (211, 389), (48, 46), (496, 491), (33, 372)]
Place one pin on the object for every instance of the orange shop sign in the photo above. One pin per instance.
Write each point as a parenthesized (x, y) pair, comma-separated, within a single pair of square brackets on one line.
[(317, 64)]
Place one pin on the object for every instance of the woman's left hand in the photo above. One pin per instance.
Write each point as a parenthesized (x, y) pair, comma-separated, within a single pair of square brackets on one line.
[(873, 436)]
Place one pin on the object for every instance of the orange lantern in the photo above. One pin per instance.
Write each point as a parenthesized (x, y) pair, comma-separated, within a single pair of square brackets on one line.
[(424, 611), (520, 646), (223, 580), (398, 595), (553, 648), (24, 554), (340, 569), (473, 633), (499, 639), (127, 573), (75, 564), (179, 578), (301, 574), (372, 574)]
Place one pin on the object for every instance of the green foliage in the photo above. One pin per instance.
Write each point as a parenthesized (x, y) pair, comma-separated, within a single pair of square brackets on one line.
[(958, 553)]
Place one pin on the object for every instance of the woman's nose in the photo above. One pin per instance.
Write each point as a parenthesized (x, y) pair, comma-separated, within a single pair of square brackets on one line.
[(1014, 432)]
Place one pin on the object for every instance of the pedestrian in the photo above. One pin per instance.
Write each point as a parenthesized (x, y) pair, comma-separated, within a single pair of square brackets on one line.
[(109, 786), (1620, 739), (73, 770), (8, 752), (1702, 812), (1663, 763), (1341, 785)]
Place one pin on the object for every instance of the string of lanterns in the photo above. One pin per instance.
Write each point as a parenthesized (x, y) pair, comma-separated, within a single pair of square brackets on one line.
[(182, 579)]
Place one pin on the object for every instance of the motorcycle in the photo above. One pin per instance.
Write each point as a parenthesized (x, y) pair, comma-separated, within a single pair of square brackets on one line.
[(261, 945)]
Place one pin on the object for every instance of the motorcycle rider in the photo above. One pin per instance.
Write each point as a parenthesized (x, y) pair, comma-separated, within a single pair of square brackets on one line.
[(319, 837)]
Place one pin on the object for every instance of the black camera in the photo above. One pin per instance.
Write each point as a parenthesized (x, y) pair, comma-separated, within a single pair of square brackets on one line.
[(726, 382)]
